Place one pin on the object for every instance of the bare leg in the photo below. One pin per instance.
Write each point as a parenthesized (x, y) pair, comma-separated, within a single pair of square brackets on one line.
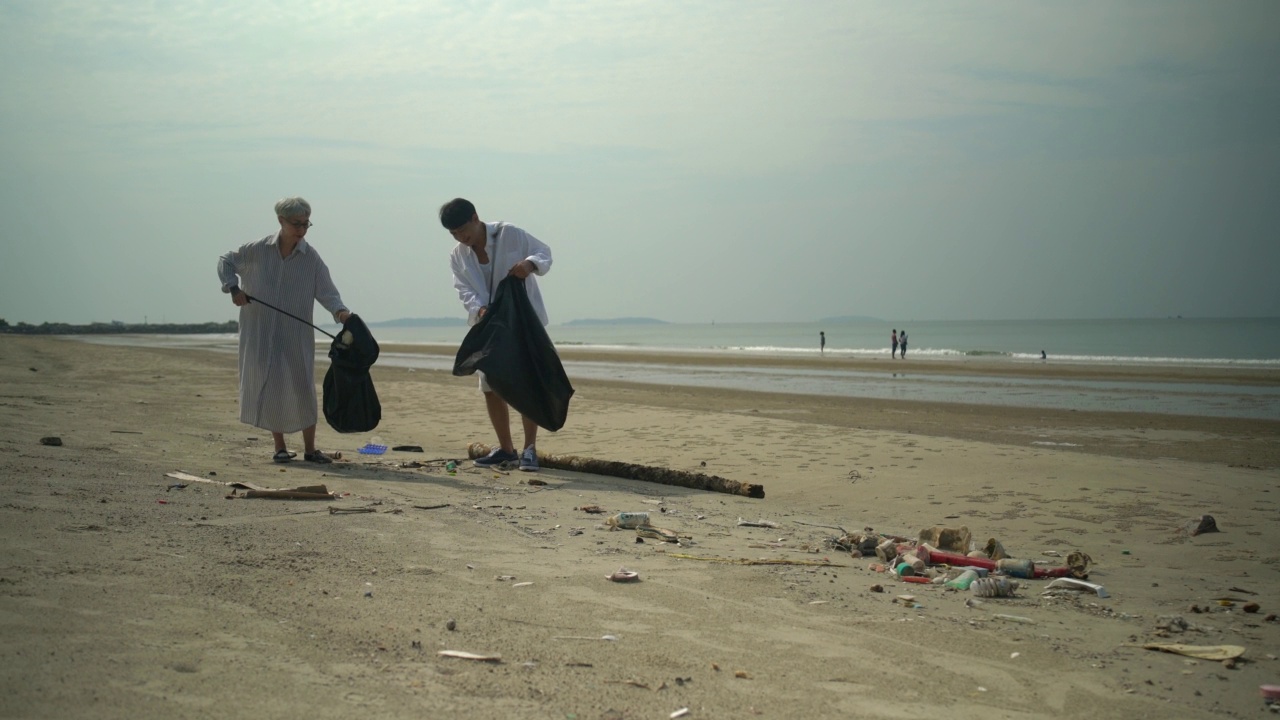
[(279, 438), (501, 419), (530, 431), (309, 439)]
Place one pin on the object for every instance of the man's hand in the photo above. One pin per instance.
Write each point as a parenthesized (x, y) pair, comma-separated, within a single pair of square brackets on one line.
[(343, 315), (523, 269), (482, 312), (239, 298)]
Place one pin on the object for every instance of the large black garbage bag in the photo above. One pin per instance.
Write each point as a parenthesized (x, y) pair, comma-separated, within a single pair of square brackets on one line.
[(512, 349), (350, 402)]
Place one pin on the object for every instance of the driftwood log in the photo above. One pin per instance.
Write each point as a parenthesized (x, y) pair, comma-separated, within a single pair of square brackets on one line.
[(632, 471)]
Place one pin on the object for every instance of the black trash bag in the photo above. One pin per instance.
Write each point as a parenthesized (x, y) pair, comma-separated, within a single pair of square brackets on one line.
[(350, 402), (512, 349)]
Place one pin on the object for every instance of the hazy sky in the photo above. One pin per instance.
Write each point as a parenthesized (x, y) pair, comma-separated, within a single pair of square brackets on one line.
[(729, 160)]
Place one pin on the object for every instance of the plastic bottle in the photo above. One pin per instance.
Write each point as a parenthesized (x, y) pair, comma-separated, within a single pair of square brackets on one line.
[(904, 570), (993, 587), (629, 520), (963, 581)]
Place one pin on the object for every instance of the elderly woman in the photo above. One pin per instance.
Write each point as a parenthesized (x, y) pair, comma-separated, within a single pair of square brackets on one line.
[(277, 353)]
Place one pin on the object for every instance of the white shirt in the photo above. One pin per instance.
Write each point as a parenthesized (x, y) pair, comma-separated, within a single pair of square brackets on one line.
[(506, 245)]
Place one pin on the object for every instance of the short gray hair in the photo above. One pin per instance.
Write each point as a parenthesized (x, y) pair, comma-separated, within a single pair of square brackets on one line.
[(292, 207)]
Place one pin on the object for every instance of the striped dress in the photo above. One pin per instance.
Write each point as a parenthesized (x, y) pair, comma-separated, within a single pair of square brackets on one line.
[(278, 353)]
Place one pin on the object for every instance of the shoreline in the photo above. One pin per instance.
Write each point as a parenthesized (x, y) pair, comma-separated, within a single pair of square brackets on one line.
[(1264, 377)]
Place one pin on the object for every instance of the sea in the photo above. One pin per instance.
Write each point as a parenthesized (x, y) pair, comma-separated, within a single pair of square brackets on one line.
[(1167, 342)]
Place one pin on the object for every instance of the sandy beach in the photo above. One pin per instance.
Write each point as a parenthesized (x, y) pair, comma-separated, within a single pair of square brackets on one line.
[(122, 596)]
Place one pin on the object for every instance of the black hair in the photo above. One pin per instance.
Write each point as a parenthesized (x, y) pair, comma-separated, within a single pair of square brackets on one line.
[(456, 213)]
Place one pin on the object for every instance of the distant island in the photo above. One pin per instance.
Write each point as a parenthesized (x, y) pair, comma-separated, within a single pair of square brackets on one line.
[(115, 327), (618, 321), (850, 319), (419, 322)]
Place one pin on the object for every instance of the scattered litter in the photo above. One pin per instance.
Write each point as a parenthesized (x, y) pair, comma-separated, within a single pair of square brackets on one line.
[(407, 448), (351, 511), (657, 533), (963, 581), (522, 584), (307, 492), (176, 486), (632, 683), (623, 575), (679, 713), (1016, 568), (51, 440), (762, 561), (946, 538), (371, 449), (1199, 526), (1202, 652), (1172, 623), (606, 638), (627, 520), (1073, 584), (470, 656), (596, 509), (993, 587), (1015, 618), (742, 674), (176, 475), (451, 625), (757, 523)]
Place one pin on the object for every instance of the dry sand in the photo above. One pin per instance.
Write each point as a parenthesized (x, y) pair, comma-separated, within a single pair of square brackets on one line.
[(120, 598)]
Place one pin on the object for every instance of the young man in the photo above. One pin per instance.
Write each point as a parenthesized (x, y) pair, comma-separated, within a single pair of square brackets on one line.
[(278, 353), (485, 254)]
